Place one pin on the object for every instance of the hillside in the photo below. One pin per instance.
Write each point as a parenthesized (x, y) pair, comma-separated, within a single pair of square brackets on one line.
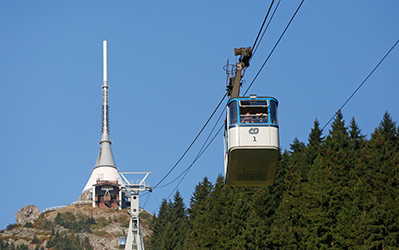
[(73, 227)]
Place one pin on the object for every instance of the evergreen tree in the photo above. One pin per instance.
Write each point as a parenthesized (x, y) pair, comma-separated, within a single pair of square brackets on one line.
[(180, 220), (196, 212), (386, 129), (170, 225), (314, 142), (297, 160), (217, 218), (286, 228), (315, 209), (379, 224), (338, 135), (355, 136), (199, 198), (353, 189), (158, 225)]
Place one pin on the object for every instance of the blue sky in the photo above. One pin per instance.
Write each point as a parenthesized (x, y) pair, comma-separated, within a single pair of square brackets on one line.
[(165, 76)]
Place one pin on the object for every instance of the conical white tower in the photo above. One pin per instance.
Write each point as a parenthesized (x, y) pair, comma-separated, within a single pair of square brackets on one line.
[(105, 170)]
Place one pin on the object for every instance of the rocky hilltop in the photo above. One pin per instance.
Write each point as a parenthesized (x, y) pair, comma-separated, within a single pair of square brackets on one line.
[(71, 227)]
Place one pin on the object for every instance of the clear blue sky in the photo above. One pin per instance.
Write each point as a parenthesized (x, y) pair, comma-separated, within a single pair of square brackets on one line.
[(165, 77)]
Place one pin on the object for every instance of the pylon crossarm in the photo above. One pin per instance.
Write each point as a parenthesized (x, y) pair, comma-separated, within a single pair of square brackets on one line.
[(134, 238)]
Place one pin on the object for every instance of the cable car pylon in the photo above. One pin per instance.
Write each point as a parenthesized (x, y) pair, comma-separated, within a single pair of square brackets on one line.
[(134, 239)]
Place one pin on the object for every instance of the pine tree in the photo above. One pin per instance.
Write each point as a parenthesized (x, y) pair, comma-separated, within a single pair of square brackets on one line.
[(352, 206), (297, 160), (179, 220), (196, 212), (286, 227), (326, 191), (158, 225), (217, 218), (314, 142), (338, 135), (170, 225), (379, 225), (387, 129), (199, 198), (355, 136)]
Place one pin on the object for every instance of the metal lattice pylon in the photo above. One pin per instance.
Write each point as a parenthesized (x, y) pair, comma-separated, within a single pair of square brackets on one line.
[(134, 239)]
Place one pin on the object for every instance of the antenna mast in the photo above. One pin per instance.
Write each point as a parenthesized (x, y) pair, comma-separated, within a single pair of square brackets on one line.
[(105, 127)]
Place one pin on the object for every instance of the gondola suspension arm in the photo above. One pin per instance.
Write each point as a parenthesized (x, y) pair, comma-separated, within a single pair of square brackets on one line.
[(233, 90)]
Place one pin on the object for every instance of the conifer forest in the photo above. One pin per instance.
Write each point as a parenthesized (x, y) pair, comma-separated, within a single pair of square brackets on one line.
[(337, 191)]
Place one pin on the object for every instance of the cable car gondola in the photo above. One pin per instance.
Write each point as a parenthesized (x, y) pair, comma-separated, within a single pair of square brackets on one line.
[(122, 242), (251, 137), (251, 141)]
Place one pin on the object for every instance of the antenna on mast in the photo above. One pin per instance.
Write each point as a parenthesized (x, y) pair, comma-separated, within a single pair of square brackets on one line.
[(105, 127), (105, 80)]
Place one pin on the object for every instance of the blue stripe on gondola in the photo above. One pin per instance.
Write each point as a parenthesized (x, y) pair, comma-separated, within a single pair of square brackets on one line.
[(257, 98), (254, 125)]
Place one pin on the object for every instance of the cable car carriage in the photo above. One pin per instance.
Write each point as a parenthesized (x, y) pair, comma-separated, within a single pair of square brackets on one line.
[(251, 141), (122, 242)]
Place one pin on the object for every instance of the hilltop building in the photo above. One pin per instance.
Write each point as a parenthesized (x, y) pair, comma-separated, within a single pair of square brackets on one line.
[(103, 189)]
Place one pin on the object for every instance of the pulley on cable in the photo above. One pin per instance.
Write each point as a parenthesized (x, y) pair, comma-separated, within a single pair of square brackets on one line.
[(251, 137)]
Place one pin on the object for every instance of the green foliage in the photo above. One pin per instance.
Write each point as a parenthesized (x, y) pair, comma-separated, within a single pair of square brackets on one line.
[(65, 241), (12, 226), (79, 223), (100, 223), (35, 240), (5, 246), (340, 192), (28, 225), (170, 226)]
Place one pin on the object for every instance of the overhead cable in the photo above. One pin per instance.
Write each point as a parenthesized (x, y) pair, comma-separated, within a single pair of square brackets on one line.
[(185, 172), (271, 52), (255, 48), (361, 84), (201, 151), (195, 139), (189, 167), (261, 28)]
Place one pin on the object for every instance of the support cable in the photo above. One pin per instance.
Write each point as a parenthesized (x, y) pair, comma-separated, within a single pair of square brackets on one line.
[(271, 52), (361, 84), (264, 31), (200, 152), (195, 139), (261, 28), (185, 172), (146, 201), (188, 169)]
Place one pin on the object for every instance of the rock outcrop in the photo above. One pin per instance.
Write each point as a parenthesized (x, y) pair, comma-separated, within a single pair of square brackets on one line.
[(28, 213)]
